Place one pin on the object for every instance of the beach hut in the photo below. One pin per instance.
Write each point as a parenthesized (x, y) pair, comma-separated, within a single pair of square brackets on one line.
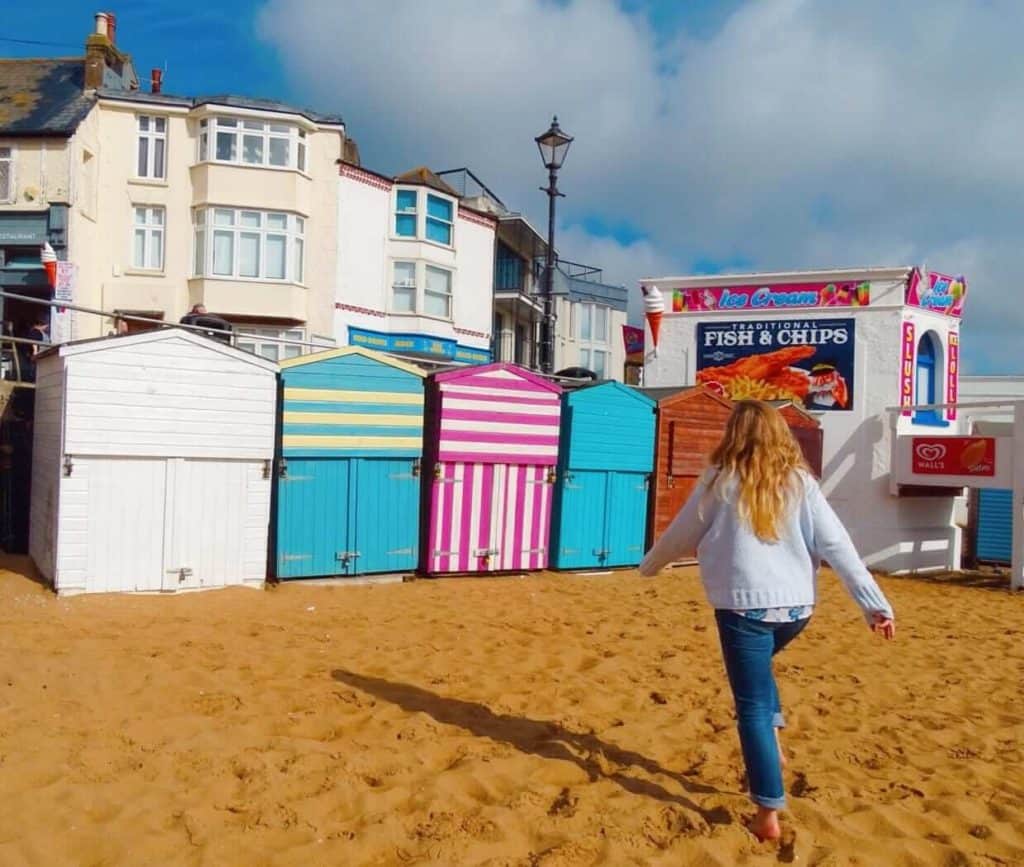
[(606, 455), (152, 461), (348, 481), (491, 449), (690, 423)]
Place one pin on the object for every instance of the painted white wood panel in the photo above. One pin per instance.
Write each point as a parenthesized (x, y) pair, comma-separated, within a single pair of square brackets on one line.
[(124, 523), (46, 469), (170, 398)]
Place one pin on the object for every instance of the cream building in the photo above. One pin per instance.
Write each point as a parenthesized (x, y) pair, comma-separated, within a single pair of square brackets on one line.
[(171, 202)]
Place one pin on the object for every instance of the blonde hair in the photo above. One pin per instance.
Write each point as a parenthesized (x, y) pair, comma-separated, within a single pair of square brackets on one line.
[(759, 451)]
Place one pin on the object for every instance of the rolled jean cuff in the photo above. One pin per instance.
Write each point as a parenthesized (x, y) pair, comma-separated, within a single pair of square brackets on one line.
[(778, 721), (770, 803)]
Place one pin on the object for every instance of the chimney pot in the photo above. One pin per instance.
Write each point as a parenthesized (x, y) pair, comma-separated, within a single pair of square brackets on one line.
[(156, 77), (112, 28), (101, 24)]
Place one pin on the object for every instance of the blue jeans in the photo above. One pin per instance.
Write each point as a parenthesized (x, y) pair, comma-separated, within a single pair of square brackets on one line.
[(747, 648)]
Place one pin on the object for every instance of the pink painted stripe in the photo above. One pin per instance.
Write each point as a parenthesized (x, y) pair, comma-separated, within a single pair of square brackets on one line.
[(545, 527), (490, 399), (500, 415), (465, 543), (486, 512), (484, 381), (496, 436), (445, 561), (540, 490), (511, 460), (520, 517)]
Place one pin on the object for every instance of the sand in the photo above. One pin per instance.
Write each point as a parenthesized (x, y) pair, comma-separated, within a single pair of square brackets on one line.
[(548, 720)]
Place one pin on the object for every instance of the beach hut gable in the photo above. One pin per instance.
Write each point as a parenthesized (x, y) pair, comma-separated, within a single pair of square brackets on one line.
[(348, 487), (153, 461)]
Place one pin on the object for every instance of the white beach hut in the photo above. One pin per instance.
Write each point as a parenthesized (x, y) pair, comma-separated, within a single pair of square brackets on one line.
[(152, 464)]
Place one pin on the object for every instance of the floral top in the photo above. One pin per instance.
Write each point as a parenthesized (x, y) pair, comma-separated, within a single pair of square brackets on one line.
[(778, 615)]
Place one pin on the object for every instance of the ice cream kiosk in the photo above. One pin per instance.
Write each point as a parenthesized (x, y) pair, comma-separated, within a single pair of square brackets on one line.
[(848, 346)]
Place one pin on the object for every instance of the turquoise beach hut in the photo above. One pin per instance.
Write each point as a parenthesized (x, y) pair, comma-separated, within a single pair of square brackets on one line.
[(348, 476), (606, 456)]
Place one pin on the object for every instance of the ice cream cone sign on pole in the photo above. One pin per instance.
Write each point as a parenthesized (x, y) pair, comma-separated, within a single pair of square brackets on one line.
[(49, 260), (654, 309)]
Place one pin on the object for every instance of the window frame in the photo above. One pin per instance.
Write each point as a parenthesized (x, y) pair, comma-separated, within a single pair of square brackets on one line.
[(252, 334), (239, 128), (592, 344), (209, 222), (151, 136), (422, 216), (420, 290), (149, 230), (12, 188)]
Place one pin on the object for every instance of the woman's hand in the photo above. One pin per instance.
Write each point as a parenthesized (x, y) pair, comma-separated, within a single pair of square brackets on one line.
[(884, 626)]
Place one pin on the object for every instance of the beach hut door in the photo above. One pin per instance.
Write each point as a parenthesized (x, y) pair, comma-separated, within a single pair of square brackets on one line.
[(583, 539), (314, 523), (626, 518)]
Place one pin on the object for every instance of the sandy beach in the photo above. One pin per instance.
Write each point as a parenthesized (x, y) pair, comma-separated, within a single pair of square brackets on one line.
[(548, 720)]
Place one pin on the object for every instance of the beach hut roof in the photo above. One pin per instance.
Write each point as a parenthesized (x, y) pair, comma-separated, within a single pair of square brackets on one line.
[(672, 394), (371, 354), (96, 344), (476, 370), (614, 385)]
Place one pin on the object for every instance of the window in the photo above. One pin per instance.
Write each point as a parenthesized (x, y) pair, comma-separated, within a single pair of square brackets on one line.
[(435, 223), (152, 147), (6, 174), (927, 375), (405, 213), (438, 295), (409, 278), (255, 340), (404, 288), (148, 239), (253, 245), (595, 353), (439, 220), (252, 143)]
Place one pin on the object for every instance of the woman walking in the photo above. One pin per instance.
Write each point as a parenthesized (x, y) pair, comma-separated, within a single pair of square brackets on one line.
[(760, 526)]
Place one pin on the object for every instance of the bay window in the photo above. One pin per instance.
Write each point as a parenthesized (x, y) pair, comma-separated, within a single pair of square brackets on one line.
[(418, 288), (252, 143), (152, 147), (248, 244), (148, 239), (255, 340), (595, 349), (432, 219)]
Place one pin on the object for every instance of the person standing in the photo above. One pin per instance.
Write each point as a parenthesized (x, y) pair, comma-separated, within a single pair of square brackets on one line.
[(40, 331), (760, 526)]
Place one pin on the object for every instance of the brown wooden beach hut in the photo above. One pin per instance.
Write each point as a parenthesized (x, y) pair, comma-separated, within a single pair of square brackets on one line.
[(690, 423)]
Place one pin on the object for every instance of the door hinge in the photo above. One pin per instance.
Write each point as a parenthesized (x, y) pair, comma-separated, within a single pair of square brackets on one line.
[(417, 468), (68, 466), (266, 468), (282, 468)]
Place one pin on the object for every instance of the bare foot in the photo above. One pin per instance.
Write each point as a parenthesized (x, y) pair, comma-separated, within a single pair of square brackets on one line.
[(782, 755), (765, 825)]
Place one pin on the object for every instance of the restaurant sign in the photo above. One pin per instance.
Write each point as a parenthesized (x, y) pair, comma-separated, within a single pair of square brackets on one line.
[(953, 456), (441, 348), (807, 361), (782, 296)]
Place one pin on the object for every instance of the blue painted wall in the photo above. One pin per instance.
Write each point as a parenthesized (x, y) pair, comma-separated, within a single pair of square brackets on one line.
[(994, 536)]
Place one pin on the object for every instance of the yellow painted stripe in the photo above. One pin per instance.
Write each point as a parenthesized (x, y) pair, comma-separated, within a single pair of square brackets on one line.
[(340, 395), (382, 420), (295, 441)]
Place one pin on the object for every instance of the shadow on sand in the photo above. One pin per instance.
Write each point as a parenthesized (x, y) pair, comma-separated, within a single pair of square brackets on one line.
[(543, 738), (978, 579)]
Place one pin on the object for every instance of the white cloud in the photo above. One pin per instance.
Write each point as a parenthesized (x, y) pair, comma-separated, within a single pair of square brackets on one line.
[(804, 133)]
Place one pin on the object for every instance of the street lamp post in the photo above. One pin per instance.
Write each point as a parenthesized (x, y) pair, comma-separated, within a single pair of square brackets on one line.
[(553, 146)]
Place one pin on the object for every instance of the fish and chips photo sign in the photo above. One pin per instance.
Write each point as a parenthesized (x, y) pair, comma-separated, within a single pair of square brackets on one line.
[(807, 361)]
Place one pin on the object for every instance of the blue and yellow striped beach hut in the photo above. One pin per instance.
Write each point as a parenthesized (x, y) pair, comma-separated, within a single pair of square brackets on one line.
[(348, 481)]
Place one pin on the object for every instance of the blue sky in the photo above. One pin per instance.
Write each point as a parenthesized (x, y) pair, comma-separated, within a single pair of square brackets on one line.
[(710, 135)]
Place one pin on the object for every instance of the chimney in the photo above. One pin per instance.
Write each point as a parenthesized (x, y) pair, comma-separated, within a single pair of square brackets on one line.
[(156, 77), (100, 53)]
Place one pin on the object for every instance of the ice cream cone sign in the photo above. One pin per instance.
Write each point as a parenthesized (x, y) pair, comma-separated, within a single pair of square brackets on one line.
[(49, 260), (654, 309)]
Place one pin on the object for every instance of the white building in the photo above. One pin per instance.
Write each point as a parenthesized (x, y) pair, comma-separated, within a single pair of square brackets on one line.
[(155, 203), (415, 267), (891, 351)]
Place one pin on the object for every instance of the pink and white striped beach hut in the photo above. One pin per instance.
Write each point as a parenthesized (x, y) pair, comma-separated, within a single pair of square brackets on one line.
[(491, 448)]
